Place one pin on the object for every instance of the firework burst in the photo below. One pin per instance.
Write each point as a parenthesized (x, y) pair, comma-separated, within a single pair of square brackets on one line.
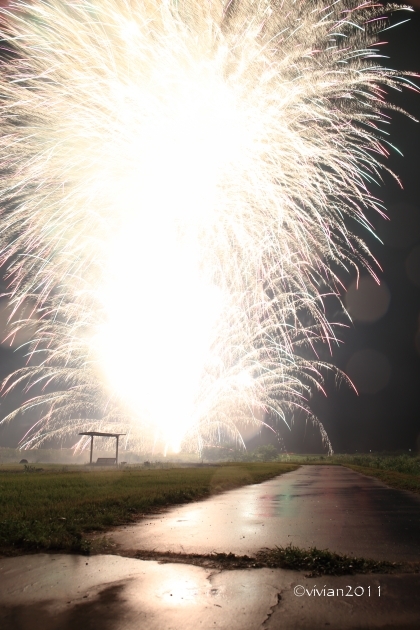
[(175, 187)]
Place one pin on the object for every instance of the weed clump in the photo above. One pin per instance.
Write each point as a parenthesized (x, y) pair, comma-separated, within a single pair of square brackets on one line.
[(320, 561)]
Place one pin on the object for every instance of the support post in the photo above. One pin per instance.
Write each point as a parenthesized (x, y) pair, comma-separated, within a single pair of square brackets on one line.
[(91, 448), (116, 454)]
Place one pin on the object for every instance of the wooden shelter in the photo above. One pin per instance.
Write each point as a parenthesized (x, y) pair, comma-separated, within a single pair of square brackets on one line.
[(99, 434)]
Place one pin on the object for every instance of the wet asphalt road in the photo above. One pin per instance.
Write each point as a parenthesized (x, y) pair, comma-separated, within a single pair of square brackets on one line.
[(59, 592), (323, 506)]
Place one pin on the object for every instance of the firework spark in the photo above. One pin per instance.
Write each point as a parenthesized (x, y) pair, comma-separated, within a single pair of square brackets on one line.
[(176, 182)]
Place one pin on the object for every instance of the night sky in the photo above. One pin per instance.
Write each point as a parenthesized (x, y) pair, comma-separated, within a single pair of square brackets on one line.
[(381, 350)]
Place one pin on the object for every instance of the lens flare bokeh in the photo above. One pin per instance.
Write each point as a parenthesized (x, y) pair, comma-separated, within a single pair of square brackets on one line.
[(178, 183)]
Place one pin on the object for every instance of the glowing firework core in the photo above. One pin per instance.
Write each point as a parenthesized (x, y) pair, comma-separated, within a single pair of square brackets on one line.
[(157, 270)]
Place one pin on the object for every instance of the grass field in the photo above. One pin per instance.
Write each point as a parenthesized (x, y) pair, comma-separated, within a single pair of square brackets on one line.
[(397, 471), (402, 463), (54, 508), (392, 478)]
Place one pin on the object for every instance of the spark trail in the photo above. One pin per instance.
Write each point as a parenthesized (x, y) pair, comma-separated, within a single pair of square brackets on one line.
[(177, 179)]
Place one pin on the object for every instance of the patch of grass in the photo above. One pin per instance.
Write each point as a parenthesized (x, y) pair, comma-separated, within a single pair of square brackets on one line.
[(317, 562), (223, 561), (320, 562), (53, 509)]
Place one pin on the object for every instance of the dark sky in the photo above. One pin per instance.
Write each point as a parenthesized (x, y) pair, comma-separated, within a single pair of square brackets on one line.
[(381, 351), (390, 418)]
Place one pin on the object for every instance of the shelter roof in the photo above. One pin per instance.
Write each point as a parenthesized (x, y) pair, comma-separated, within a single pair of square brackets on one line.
[(102, 434)]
